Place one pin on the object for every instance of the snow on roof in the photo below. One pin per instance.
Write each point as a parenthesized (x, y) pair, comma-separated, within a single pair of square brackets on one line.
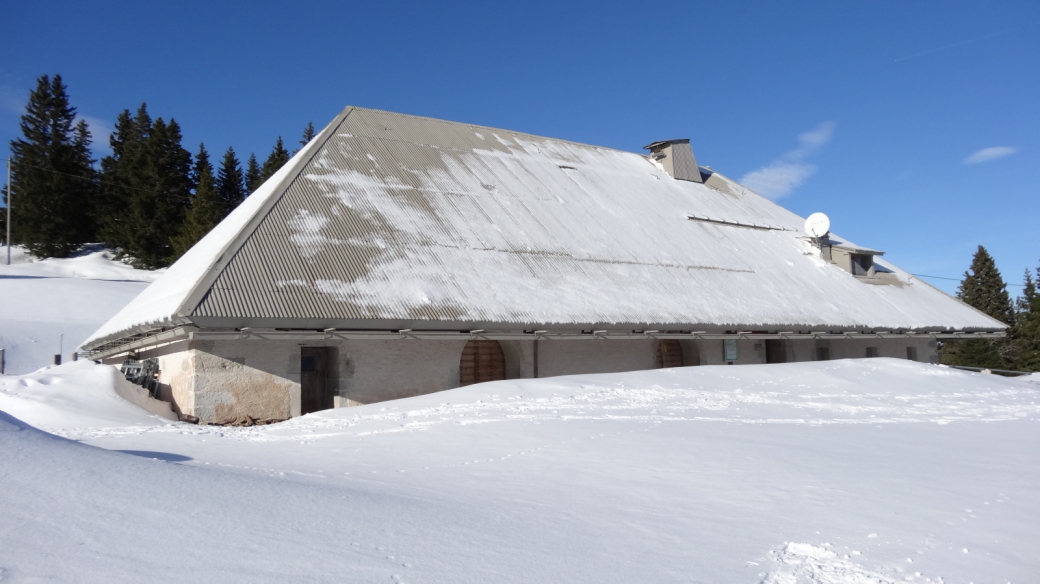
[(393, 220)]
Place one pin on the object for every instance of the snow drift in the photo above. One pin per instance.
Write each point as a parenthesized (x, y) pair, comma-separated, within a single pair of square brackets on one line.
[(874, 470)]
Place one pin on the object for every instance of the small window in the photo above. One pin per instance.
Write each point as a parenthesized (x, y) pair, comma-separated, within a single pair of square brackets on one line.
[(823, 354), (872, 352), (729, 349), (308, 364), (911, 353), (861, 264)]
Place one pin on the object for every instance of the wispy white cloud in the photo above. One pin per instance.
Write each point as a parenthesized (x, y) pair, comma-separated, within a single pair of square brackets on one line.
[(791, 170), (991, 153), (100, 130)]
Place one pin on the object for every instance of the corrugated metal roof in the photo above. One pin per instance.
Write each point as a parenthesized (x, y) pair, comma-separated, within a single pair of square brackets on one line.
[(395, 218)]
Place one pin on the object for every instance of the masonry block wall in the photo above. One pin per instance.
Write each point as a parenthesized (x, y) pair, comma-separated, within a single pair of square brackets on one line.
[(222, 381)]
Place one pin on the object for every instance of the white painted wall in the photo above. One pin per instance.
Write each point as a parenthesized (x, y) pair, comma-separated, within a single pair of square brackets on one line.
[(221, 381), (594, 356)]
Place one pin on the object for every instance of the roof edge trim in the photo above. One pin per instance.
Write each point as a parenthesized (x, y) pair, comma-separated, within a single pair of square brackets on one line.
[(195, 296)]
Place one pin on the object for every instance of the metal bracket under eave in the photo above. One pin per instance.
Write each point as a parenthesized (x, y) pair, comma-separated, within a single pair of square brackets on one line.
[(251, 334), (165, 337), (343, 334)]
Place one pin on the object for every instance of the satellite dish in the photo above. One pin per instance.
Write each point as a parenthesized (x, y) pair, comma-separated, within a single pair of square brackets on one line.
[(818, 225)]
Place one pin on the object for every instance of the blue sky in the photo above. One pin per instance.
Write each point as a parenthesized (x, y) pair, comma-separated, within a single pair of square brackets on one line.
[(914, 125)]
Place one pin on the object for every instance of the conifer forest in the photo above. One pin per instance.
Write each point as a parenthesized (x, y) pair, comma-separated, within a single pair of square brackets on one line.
[(150, 200)]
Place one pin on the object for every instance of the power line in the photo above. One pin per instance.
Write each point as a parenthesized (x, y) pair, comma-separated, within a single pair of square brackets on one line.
[(956, 279)]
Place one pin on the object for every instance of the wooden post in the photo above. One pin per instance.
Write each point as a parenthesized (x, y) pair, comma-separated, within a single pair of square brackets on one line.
[(1, 361)]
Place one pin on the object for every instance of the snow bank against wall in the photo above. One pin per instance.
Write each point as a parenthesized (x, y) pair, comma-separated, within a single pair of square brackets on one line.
[(81, 395)]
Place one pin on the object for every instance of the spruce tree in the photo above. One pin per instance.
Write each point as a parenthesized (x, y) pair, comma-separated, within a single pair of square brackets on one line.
[(230, 182), (206, 207), (124, 174), (160, 211), (308, 135), (148, 183), (53, 179), (252, 178), (984, 289), (1027, 323), (277, 159)]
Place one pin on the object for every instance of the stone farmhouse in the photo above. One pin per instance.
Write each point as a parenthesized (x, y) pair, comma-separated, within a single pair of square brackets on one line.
[(398, 255)]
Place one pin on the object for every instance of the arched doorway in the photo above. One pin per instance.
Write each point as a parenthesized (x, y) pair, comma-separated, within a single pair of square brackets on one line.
[(481, 361), (668, 354)]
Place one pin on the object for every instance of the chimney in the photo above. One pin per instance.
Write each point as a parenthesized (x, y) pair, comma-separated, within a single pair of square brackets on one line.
[(676, 157)]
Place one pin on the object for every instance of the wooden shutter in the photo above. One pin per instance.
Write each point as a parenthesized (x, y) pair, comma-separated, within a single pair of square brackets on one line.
[(481, 361), (668, 354)]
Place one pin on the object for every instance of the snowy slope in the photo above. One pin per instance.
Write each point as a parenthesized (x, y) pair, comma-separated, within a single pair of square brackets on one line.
[(41, 300), (874, 470)]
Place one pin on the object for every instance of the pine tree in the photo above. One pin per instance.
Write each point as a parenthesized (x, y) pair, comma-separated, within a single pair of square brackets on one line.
[(984, 289), (1027, 323), (308, 135), (54, 183), (230, 182), (160, 211), (124, 174), (206, 207), (252, 178), (278, 157), (148, 186)]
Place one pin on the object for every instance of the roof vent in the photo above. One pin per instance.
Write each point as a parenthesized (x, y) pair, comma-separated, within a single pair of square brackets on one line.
[(676, 157)]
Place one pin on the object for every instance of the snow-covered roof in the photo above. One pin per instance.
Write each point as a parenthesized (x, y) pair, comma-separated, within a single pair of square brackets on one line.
[(393, 221)]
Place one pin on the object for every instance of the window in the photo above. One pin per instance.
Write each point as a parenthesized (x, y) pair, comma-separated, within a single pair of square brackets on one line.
[(729, 350), (872, 352), (911, 353), (861, 264), (823, 354)]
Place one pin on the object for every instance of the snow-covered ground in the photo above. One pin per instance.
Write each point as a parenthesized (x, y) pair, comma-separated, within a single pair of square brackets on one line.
[(42, 300), (875, 470)]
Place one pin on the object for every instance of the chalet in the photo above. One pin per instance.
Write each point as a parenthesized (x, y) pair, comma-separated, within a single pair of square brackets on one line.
[(398, 255)]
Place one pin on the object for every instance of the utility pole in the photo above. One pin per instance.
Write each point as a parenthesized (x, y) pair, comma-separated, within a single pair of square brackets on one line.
[(8, 210)]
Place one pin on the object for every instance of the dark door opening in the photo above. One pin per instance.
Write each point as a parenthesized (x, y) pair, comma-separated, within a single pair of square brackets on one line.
[(776, 351), (481, 361), (314, 380)]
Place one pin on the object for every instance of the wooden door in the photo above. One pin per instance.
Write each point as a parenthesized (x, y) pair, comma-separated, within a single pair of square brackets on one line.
[(668, 353), (314, 366), (481, 361), (776, 351)]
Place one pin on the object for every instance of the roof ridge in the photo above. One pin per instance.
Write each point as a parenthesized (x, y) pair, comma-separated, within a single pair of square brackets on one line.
[(493, 128)]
